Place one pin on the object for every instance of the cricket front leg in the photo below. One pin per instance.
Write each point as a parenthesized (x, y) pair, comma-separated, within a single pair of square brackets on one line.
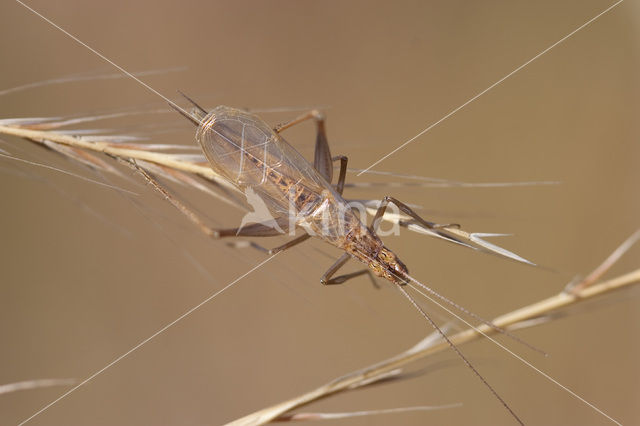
[(252, 230), (244, 244), (327, 279)]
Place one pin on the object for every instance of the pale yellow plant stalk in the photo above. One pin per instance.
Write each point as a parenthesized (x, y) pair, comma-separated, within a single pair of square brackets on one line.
[(112, 149)]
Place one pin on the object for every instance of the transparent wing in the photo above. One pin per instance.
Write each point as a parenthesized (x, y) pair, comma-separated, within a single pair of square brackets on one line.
[(246, 151)]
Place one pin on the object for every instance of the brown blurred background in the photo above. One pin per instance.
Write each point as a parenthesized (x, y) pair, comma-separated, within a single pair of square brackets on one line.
[(87, 273)]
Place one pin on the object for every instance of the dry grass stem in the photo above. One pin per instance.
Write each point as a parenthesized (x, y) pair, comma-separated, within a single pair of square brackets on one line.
[(333, 416), (35, 384), (114, 150)]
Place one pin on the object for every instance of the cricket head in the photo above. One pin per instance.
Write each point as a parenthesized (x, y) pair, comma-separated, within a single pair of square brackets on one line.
[(391, 268)]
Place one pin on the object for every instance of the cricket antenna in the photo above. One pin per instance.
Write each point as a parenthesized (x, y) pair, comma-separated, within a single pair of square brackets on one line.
[(457, 351)]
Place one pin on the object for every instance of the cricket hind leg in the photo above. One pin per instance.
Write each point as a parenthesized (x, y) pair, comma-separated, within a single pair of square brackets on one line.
[(252, 230)]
